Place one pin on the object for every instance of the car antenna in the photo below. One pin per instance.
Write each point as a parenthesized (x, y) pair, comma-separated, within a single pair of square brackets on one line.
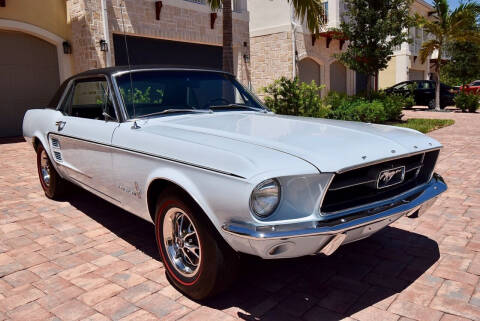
[(135, 126)]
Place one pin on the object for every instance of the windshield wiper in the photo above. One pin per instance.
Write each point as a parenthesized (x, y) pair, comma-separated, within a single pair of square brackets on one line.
[(174, 110), (237, 106)]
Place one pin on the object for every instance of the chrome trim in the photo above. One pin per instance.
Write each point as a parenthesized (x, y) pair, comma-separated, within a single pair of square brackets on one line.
[(151, 155), (383, 160), (111, 91), (430, 191)]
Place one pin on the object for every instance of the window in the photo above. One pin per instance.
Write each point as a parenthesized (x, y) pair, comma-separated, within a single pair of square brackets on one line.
[(149, 92), (90, 98), (402, 85)]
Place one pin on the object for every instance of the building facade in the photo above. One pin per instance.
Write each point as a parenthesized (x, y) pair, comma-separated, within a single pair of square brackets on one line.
[(405, 63), (282, 46), (47, 41)]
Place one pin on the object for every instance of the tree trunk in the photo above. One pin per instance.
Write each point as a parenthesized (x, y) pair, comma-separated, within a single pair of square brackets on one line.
[(227, 36), (437, 80)]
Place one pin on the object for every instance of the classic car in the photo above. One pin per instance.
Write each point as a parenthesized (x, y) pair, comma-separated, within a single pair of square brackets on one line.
[(473, 87), (424, 92), (219, 175)]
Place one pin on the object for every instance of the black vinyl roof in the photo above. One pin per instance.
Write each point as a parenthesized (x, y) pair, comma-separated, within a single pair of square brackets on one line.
[(112, 70)]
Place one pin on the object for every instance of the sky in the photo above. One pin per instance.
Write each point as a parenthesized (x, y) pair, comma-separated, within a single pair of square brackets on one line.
[(453, 3)]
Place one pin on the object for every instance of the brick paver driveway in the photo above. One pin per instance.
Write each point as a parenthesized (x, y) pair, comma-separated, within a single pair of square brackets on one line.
[(86, 259)]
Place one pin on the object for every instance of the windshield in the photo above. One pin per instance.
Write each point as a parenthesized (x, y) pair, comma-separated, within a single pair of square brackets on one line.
[(162, 91)]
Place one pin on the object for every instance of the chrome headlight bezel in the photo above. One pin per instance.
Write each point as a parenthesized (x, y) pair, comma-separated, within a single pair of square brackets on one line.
[(274, 185)]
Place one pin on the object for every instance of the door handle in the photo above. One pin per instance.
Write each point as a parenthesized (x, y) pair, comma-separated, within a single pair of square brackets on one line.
[(60, 124)]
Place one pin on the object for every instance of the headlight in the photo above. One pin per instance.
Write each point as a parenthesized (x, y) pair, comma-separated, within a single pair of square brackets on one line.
[(265, 198)]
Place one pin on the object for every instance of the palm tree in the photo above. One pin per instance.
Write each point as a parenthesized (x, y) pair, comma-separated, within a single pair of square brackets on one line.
[(309, 10), (446, 27)]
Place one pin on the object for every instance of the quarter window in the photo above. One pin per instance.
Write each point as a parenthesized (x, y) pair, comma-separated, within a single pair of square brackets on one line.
[(90, 99)]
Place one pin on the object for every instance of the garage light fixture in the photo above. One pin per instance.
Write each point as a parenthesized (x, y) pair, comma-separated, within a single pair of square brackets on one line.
[(246, 58), (103, 45), (67, 48)]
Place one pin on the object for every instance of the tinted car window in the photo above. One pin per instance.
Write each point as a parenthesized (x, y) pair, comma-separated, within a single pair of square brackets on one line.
[(89, 99), (148, 92), (402, 85)]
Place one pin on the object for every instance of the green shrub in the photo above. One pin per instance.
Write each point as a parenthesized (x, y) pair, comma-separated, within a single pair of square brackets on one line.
[(393, 105), (359, 109), (467, 101), (291, 97)]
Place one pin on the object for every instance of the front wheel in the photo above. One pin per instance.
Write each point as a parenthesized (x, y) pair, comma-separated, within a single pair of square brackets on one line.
[(53, 185), (196, 259)]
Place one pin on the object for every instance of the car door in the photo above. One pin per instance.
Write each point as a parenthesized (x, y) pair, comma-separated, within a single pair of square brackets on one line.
[(81, 141), (425, 92)]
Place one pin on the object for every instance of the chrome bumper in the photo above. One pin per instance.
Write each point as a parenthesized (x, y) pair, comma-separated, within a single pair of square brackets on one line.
[(299, 239)]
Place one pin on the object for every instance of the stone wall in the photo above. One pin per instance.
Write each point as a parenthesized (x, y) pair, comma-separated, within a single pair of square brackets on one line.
[(271, 58), (176, 23)]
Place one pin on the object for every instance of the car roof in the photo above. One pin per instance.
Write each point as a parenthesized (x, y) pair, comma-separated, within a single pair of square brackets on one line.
[(113, 70)]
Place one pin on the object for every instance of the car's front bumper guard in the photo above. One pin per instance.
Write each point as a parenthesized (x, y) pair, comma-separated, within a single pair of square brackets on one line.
[(292, 240)]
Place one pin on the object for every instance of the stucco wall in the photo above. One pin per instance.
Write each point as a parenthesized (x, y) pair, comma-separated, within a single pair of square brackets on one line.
[(46, 14), (387, 77)]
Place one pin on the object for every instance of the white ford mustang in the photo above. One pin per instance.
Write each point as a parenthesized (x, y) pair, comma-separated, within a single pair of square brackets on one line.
[(198, 155)]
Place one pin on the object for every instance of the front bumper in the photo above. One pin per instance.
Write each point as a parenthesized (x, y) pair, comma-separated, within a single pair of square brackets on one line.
[(299, 239)]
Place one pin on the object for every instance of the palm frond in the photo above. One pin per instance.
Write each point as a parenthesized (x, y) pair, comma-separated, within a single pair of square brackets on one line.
[(310, 10), (428, 47), (215, 4)]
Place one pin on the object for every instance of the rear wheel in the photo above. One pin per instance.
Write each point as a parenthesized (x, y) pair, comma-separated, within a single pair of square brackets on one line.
[(53, 185), (431, 104), (197, 260)]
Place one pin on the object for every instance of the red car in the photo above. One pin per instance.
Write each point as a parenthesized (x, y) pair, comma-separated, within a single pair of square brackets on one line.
[(474, 87)]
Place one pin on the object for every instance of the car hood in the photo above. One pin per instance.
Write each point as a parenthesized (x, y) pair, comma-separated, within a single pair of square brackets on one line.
[(329, 145)]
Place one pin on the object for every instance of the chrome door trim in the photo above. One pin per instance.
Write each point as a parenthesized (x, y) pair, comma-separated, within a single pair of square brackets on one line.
[(153, 155)]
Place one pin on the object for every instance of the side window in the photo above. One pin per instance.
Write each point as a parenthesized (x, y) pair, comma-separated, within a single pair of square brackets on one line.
[(90, 99)]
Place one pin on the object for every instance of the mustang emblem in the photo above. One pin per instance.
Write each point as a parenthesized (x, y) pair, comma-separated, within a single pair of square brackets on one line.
[(391, 177)]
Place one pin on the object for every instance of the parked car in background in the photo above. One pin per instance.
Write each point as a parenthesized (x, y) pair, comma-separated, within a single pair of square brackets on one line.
[(424, 92), (218, 174), (473, 87)]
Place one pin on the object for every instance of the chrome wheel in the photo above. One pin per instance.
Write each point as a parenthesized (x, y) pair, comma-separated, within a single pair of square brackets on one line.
[(181, 242), (45, 168)]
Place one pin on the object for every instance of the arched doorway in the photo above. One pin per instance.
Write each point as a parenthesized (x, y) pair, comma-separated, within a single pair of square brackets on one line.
[(308, 70), (29, 76), (338, 77)]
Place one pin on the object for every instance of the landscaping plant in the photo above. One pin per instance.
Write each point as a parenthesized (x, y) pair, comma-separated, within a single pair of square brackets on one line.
[(374, 29), (467, 101), (447, 27), (292, 97)]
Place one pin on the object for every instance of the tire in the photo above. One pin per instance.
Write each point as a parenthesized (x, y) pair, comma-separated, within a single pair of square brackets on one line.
[(213, 265), (431, 104), (52, 184)]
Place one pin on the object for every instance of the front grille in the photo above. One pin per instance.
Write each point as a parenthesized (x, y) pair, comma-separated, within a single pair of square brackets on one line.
[(359, 186)]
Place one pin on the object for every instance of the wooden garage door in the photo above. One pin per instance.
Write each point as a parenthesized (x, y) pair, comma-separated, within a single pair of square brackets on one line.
[(28, 78), (146, 51)]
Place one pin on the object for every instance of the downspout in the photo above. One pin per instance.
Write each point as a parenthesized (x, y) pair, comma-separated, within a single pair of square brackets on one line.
[(294, 42), (106, 33)]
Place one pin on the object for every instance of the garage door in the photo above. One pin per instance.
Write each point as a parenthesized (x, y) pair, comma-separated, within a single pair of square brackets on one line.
[(145, 51), (414, 74), (28, 78)]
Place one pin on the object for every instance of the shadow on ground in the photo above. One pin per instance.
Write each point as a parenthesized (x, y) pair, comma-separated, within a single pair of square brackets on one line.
[(358, 275)]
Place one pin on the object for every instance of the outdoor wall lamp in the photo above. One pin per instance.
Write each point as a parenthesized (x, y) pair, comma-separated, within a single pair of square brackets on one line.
[(158, 9), (3, 3), (103, 45), (246, 58), (67, 48)]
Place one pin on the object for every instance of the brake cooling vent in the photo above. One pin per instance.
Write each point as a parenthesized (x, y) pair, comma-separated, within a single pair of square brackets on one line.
[(58, 156), (55, 143)]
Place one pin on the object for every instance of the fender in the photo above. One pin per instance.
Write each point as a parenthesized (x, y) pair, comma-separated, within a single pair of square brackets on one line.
[(176, 177)]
